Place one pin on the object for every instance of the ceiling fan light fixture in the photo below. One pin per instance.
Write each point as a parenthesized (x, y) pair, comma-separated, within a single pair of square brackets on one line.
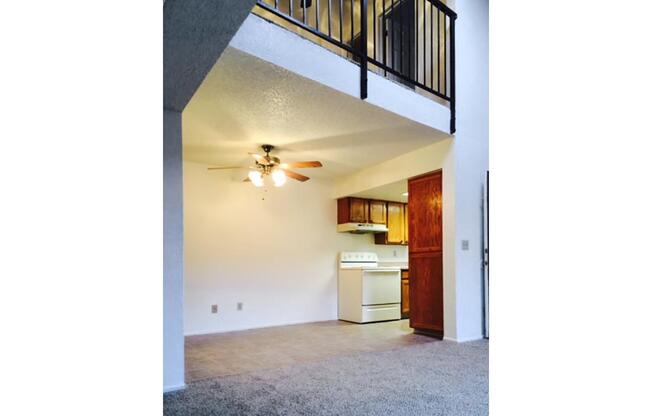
[(256, 178), (279, 178), (270, 165)]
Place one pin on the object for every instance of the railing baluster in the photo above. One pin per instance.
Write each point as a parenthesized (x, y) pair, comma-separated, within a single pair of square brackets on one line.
[(405, 43), (416, 40), (400, 33), (363, 46), (417, 36), (438, 53), (452, 95), (411, 31), (425, 77), (341, 18), (329, 18), (317, 15), (432, 51), (393, 30), (445, 63), (276, 4), (303, 3), (415, 31), (352, 22), (415, 20), (373, 21), (291, 7), (384, 36)]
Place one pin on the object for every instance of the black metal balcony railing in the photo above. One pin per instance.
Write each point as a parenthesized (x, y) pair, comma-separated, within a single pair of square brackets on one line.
[(409, 41)]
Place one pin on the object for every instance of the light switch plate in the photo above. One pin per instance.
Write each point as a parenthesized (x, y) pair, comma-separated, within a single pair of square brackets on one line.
[(465, 245), (239, 306), (213, 308)]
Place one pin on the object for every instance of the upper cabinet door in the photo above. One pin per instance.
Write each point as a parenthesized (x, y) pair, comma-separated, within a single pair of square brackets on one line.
[(395, 223), (358, 210), (377, 212), (425, 195)]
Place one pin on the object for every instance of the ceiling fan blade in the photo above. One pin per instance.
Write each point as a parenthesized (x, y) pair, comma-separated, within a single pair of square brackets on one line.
[(295, 175), (227, 167), (246, 180), (301, 165)]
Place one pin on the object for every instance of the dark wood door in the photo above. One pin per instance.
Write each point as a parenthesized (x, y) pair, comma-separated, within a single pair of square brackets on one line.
[(425, 254)]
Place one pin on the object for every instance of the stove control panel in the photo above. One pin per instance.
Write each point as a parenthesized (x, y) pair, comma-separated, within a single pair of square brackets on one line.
[(358, 257)]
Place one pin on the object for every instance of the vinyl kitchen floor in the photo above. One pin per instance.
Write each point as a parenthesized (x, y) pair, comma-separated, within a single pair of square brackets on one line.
[(239, 352)]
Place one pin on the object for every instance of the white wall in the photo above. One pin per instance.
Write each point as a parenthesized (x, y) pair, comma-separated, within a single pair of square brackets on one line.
[(471, 159), (173, 352), (278, 255)]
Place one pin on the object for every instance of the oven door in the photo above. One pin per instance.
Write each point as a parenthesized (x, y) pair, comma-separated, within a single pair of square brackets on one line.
[(381, 287)]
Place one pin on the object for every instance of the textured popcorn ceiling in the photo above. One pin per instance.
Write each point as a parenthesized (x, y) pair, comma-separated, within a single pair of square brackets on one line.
[(245, 102)]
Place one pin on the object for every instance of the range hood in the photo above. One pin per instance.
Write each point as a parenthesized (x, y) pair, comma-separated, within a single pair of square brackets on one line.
[(361, 228)]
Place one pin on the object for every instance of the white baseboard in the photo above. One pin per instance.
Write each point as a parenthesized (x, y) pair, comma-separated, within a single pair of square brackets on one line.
[(475, 338), (167, 389), (247, 328)]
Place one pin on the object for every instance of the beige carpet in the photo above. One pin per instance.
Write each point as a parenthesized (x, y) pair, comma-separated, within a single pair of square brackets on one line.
[(230, 353), (436, 378)]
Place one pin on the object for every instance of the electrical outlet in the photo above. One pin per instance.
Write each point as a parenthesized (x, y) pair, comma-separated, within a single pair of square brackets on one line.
[(465, 245), (213, 308), (239, 306), (394, 253)]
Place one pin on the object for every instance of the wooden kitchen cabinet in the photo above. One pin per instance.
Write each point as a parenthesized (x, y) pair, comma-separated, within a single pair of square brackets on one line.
[(377, 211), (397, 224), (359, 210), (352, 210), (392, 214)]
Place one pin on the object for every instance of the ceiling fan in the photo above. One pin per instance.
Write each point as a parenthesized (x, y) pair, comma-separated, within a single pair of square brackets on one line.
[(271, 166)]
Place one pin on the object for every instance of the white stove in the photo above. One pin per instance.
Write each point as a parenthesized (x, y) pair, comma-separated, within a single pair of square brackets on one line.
[(361, 260), (367, 292)]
